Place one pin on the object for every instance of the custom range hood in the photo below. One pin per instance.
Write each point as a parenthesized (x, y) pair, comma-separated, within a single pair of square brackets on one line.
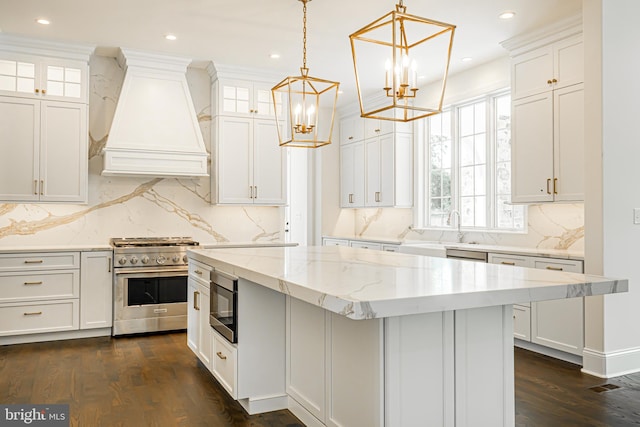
[(155, 129)]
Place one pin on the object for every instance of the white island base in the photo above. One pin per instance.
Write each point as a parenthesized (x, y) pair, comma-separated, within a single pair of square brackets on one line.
[(453, 368)]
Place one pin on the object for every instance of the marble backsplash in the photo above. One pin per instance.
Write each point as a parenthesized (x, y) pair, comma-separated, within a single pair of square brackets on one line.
[(134, 206), (549, 226)]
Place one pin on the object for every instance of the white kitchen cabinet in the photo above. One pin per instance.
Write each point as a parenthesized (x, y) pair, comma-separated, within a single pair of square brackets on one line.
[(557, 324), (334, 242), (365, 245), (321, 357), (96, 290), (42, 78), (199, 333), (352, 130), (548, 122), (352, 175), (43, 147), (40, 292), (249, 165), (389, 171)]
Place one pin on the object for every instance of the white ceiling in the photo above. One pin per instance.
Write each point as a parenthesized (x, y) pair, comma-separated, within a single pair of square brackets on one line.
[(246, 33)]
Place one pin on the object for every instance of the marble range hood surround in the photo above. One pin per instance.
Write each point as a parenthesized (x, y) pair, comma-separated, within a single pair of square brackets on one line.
[(155, 129)]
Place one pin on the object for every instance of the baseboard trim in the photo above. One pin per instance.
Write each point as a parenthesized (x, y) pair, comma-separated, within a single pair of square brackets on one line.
[(547, 351), (55, 336), (611, 364), (260, 405)]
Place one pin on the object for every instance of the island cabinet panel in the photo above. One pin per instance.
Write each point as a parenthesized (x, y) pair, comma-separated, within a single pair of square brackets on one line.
[(419, 371)]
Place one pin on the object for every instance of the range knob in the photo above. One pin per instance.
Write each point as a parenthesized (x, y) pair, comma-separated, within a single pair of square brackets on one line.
[(145, 259), (185, 259), (161, 259), (122, 261), (176, 258), (134, 260)]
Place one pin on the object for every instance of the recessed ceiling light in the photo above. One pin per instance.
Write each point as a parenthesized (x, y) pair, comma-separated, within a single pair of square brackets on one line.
[(507, 15), (42, 21), (274, 56), (467, 59), (170, 37)]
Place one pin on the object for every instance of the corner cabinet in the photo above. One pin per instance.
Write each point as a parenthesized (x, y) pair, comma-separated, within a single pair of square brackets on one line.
[(248, 165), (548, 119), (376, 163), (43, 122)]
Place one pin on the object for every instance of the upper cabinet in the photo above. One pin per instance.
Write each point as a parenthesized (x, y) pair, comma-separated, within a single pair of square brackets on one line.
[(376, 163), (547, 117), (43, 121), (248, 165)]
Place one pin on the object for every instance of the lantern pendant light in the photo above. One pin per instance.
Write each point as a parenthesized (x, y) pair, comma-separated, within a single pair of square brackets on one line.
[(391, 54), (311, 104)]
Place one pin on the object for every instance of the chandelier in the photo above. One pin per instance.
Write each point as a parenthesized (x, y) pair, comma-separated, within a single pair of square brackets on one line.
[(391, 54), (311, 104)]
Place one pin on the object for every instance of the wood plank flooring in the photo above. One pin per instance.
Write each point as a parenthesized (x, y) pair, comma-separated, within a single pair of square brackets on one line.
[(156, 380)]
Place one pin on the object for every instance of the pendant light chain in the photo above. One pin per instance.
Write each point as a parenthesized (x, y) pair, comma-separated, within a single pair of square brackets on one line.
[(304, 34)]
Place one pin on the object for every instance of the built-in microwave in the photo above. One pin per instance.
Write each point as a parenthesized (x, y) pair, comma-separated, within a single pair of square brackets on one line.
[(223, 315)]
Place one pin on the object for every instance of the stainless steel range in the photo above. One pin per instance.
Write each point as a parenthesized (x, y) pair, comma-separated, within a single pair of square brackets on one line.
[(150, 284)]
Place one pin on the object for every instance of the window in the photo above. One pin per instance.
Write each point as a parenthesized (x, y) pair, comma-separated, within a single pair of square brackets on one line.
[(468, 154)]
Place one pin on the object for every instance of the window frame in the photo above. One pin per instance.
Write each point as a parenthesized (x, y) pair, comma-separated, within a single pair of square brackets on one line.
[(423, 168)]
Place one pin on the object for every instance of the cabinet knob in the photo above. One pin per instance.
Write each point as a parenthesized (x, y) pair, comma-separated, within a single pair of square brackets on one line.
[(44, 91), (554, 81), (377, 130), (549, 82), (350, 138), (37, 90)]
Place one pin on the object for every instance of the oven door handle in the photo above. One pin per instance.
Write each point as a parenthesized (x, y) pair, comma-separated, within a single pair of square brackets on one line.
[(118, 271)]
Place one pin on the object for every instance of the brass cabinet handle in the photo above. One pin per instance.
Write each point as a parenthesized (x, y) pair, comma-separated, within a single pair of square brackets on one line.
[(350, 138), (198, 272), (377, 196), (33, 261), (219, 354), (555, 185), (377, 130), (255, 196), (42, 184), (35, 186), (34, 313), (196, 297), (251, 191), (548, 185), (508, 263), (33, 283), (554, 268), (350, 197), (109, 264)]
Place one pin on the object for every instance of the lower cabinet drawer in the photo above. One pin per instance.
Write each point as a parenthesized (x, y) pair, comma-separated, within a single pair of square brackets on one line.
[(225, 364), (32, 286), (39, 261), (34, 318), (522, 322)]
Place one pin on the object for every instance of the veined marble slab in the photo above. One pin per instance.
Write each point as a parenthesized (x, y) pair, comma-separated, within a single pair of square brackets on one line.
[(366, 284)]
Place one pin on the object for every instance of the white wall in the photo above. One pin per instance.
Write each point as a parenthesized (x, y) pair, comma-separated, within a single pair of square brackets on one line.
[(620, 150), (129, 206)]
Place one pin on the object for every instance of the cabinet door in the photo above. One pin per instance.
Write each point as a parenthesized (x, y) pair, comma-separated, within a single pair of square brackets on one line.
[(193, 315), (18, 76), (263, 102), (269, 164), (64, 80), (569, 143), (234, 98), (532, 149), (306, 355), (205, 334), (531, 72), (234, 160), (19, 142), (351, 130), (513, 260), (347, 153), (372, 167), (402, 173), (568, 62), (374, 127), (522, 322), (96, 284), (387, 170), (366, 245), (63, 152)]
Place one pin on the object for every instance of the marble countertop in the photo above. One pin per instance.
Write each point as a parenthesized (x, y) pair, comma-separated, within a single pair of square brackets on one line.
[(218, 245), (56, 248), (365, 284), (517, 250)]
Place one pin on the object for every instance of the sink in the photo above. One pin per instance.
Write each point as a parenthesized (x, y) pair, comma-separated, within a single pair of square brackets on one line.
[(435, 249)]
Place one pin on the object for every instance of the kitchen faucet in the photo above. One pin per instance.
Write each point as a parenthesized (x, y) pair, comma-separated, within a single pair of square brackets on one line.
[(451, 213)]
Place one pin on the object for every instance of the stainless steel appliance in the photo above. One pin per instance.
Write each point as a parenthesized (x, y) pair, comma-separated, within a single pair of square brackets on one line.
[(150, 284), (223, 315)]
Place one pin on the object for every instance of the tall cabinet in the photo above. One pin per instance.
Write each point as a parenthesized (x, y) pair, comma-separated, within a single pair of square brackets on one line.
[(248, 165), (43, 121), (548, 116)]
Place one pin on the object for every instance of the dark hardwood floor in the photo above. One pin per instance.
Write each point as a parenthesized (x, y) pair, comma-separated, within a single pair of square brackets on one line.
[(155, 380)]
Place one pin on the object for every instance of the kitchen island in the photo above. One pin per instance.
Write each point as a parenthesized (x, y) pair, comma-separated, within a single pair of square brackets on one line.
[(353, 337)]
